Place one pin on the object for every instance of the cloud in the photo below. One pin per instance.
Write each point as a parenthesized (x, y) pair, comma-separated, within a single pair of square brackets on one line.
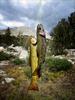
[(25, 3), (32, 12), (12, 23), (1, 17)]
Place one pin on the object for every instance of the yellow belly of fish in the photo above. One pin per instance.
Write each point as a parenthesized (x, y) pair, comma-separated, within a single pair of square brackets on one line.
[(34, 66)]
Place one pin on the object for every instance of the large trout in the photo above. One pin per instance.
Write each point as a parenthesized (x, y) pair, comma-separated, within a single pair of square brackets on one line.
[(34, 64)]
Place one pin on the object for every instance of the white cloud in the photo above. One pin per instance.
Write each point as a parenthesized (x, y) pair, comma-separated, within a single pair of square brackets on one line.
[(19, 2), (32, 12), (1, 17), (26, 3), (30, 22), (12, 23)]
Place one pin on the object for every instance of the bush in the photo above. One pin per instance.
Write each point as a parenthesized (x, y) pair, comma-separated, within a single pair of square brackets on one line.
[(18, 61), (57, 64), (5, 56)]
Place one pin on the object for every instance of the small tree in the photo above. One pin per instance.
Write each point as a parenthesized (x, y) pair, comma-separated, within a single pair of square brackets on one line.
[(60, 36), (63, 35), (8, 39), (72, 29)]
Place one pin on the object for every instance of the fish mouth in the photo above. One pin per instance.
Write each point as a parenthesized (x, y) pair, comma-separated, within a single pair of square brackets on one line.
[(42, 33)]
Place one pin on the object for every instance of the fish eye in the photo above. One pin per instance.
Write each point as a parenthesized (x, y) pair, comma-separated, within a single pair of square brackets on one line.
[(39, 28)]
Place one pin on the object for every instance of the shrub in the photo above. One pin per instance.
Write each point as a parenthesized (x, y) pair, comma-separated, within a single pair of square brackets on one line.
[(5, 56), (18, 61), (57, 64)]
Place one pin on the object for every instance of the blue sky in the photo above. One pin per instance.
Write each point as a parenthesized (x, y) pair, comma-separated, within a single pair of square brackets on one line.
[(15, 13)]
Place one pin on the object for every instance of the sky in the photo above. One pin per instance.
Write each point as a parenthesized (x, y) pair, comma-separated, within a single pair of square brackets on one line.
[(15, 13)]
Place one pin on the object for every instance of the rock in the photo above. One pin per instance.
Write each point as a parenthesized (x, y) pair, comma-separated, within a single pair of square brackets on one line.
[(23, 54), (9, 80), (19, 67), (1, 49), (71, 61), (2, 73), (4, 64), (3, 82)]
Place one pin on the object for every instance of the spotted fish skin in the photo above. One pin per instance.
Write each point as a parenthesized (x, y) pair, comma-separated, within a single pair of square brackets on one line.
[(41, 46)]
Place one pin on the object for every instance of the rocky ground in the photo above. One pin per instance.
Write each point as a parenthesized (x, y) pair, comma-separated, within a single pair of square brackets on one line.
[(14, 82)]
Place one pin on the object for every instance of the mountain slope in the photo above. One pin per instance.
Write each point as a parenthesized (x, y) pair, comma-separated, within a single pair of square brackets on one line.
[(23, 30)]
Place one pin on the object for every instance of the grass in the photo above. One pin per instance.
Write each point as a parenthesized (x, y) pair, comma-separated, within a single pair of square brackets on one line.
[(50, 85), (49, 75)]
